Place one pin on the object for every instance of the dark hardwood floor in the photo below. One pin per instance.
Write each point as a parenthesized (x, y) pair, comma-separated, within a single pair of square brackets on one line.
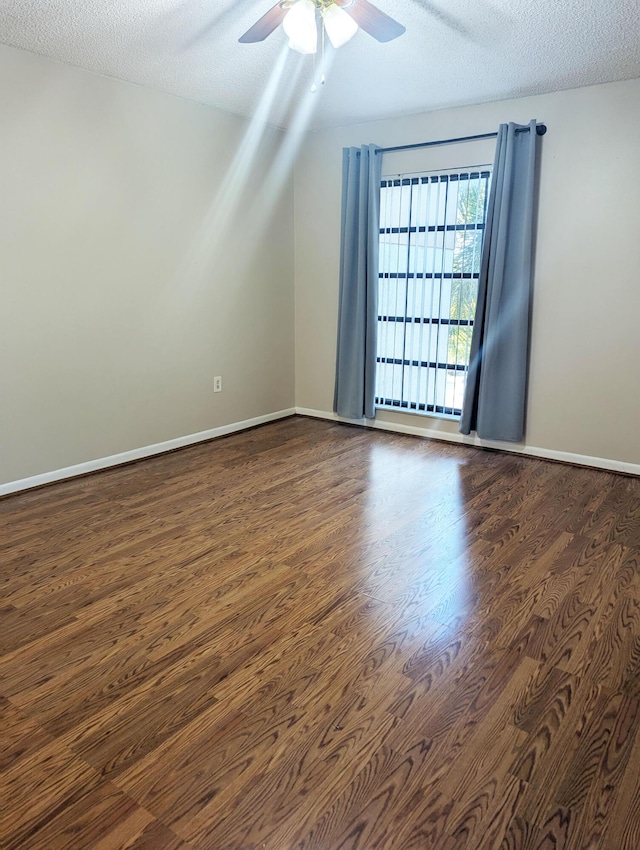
[(315, 636)]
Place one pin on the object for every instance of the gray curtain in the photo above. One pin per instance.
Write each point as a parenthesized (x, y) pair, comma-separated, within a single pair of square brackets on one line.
[(495, 396), (358, 300)]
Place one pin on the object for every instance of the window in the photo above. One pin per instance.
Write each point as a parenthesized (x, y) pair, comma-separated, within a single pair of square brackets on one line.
[(431, 229)]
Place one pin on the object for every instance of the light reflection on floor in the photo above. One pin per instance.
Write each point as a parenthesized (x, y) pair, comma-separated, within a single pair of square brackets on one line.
[(418, 534)]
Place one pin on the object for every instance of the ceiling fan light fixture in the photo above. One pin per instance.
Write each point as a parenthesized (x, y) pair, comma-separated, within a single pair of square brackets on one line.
[(300, 26), (339, 26)]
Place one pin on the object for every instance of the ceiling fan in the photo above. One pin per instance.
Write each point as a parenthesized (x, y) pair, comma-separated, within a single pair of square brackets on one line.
[(340, 20)]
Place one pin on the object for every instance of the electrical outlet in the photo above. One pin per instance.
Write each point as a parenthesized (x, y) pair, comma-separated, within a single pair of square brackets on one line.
[(217, 384)]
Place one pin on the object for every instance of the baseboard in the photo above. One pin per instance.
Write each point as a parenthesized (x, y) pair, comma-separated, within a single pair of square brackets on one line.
[(138, 454), (548, 454), (203, 436)]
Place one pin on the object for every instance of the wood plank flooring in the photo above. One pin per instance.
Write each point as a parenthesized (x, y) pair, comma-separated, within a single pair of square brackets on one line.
[(318, 637)]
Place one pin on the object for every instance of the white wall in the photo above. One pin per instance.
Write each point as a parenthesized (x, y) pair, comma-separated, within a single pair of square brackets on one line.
[(127, 281), (123, 287), (584, 397)]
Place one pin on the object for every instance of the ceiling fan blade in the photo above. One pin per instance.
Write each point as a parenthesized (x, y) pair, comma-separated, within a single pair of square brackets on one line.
[(445, 18), (372, 20), (186, 17), (265, 26)]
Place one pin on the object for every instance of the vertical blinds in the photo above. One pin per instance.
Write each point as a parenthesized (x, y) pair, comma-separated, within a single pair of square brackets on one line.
[(431, 229)]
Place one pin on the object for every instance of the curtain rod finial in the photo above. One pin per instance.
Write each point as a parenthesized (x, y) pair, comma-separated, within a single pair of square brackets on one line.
[(541, 129)]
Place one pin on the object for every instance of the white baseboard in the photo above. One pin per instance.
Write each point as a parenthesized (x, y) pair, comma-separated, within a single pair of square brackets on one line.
[(138, 454), (202, 436), (533, 451)]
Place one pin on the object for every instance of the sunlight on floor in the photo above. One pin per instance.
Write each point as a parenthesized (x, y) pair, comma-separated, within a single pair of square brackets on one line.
[(421, 534)]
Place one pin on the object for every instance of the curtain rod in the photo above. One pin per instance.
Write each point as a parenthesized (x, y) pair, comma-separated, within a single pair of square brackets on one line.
[(541, 129)]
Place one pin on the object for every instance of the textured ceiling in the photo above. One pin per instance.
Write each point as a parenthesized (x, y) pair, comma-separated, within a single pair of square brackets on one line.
[(454, 51)]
